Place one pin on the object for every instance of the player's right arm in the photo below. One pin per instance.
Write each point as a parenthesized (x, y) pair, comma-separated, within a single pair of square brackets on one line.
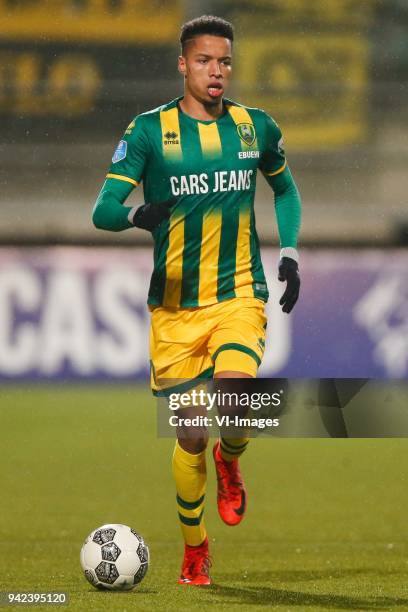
[(125, 173)]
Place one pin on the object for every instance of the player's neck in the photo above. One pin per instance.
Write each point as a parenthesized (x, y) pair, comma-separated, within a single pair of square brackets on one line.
[(197, 110)]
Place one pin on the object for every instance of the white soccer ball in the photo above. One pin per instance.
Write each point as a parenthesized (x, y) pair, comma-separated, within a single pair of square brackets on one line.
[(114, 557)]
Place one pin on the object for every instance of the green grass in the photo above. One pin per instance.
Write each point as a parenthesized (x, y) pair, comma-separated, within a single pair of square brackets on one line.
[(326, 527)]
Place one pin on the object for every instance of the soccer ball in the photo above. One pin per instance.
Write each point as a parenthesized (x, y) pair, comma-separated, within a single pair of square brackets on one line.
[(114, 557)]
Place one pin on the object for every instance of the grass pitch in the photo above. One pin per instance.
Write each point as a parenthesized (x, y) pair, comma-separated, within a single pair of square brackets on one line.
[(326, 527)]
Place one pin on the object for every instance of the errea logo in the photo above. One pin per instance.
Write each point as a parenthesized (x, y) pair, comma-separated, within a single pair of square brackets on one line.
[(170, 138), (247, 154)]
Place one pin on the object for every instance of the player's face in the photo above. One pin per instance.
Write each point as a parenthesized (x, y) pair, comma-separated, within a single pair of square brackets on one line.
[(206, 65)]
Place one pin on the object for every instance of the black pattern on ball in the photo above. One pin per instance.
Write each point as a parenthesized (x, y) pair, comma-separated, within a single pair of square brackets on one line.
[(140, 574), (107, 572), (104, 535), (142, 553), (110, 552), (139, 537), (90, 577)]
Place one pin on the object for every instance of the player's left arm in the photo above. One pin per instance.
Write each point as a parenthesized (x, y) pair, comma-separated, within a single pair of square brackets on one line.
[(288, 210)]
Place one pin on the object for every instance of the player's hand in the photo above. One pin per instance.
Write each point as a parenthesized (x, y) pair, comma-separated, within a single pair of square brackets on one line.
[(149, 215), (289, 272)]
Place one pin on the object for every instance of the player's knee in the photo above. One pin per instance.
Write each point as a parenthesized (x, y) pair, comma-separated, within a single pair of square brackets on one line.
[(194, 445)]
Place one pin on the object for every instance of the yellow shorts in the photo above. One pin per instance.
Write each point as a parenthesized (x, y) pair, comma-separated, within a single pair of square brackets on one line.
[(195, 343)]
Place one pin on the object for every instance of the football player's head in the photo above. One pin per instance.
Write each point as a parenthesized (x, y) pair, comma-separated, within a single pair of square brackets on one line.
[(206, 55)]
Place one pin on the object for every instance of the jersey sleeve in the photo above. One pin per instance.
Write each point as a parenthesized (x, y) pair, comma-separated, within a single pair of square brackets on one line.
[(273, 160), (131, 154)]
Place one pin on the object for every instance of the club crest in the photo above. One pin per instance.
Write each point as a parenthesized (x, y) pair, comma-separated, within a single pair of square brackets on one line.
[(246, 133)]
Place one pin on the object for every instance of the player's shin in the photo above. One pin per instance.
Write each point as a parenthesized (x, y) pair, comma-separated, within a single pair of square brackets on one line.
[(190, 475)]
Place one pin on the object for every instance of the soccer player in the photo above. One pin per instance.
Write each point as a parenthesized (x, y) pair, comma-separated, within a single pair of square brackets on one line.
[(198, 158)]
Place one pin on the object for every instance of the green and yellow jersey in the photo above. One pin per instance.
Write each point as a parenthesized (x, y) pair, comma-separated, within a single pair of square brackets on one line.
[(208, 251)]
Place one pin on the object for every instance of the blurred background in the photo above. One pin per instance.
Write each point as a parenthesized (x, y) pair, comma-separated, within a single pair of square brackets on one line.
[(73, 73)]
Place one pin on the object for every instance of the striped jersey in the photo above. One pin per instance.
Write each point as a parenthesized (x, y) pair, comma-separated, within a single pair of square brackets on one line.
[(208, 251)]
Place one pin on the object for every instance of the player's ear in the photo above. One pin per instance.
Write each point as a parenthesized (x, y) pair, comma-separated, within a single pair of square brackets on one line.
[(182, 65)]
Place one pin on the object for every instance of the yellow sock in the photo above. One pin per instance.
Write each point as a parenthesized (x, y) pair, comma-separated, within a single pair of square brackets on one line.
[(232, 448), (190, 474)]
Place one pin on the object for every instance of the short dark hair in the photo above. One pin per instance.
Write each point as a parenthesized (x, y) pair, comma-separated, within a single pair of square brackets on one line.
[(206, 24)]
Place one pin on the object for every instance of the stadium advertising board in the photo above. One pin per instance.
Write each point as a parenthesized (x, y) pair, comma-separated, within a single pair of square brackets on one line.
[(76, 60), (71, 60), (80, 313)]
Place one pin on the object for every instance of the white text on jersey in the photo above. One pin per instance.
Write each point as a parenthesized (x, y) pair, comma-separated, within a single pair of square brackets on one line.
[(246, 154), (223, 181)]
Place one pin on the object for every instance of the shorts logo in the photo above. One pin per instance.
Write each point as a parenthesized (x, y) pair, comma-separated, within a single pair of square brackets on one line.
[(246, 133), (170, 138), (120, 152), (261, 344)]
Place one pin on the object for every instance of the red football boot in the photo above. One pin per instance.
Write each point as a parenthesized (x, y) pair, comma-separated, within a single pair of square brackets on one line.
[(196, 565), (231, 493)]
